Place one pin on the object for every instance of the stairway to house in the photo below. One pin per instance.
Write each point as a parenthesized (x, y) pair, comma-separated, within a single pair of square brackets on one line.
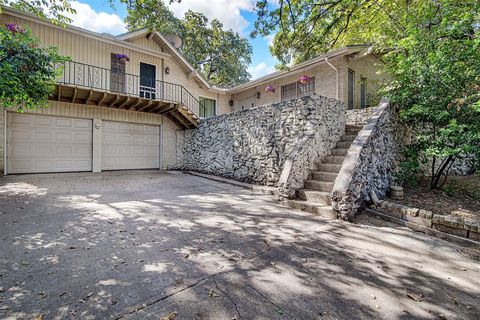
[(316, 196)]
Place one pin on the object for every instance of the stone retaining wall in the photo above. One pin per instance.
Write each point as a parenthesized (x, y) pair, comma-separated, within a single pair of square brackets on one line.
[(369, 163), (253, 145), (359, 116), (452, 224)]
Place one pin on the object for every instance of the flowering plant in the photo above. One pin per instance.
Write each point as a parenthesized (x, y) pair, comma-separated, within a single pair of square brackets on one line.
[(305, 79), (28, 71), (122, 56), (269, 89), (14, 28)]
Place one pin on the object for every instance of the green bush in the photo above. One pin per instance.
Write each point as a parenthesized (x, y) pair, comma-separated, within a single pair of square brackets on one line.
[(28, 71)]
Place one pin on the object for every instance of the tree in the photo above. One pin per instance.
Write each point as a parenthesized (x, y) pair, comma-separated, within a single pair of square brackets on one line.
[(221, 56), (305, 28), (55, 10), (431, 48), (436, 70), (28, 70)]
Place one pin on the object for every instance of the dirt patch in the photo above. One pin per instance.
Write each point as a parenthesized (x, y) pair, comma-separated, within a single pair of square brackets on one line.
[(460, 196)]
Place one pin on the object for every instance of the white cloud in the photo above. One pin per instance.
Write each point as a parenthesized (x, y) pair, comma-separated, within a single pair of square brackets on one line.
[(227, 11), (260, 70), (269, 39), (90, 19)]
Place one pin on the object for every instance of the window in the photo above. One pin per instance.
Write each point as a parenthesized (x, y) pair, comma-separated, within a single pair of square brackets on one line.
[(351, 88), (147, 81), (289, 91), (117, 77), (363, 93), (297, 90), (207, 107)]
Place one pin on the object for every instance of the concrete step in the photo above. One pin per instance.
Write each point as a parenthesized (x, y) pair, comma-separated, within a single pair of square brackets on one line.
[(318, 209), (324, 176), (315, 196), (344, 144), (319, 185), (334, 159), (352, 131), (357, 127), (339, 152), (348, 137), (327, 167)]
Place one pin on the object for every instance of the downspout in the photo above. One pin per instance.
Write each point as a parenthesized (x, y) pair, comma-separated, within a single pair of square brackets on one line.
[(337, 76)]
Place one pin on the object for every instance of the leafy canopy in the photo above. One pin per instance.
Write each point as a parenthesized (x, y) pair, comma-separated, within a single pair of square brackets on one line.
[(28, 71), (221, 56), (55, 10), (431, 49), (436, 79)]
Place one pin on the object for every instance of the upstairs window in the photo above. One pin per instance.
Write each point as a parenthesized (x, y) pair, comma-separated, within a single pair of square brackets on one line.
[(297, 90), (207, 107)]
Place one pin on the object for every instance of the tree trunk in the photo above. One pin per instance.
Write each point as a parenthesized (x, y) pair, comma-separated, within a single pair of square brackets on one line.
[(438, 175)]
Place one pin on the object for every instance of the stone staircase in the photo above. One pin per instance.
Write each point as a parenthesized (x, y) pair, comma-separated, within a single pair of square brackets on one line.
[(316, 196)]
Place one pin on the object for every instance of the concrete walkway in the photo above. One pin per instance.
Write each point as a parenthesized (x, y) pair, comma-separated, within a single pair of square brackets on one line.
[(145, 244)]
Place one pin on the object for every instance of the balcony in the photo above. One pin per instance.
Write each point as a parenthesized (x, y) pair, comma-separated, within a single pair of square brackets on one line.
[(91, 85)]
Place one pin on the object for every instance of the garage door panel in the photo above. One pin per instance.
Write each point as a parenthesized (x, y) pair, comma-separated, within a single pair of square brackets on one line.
[(38, 143), (130, 146), (43, 121)]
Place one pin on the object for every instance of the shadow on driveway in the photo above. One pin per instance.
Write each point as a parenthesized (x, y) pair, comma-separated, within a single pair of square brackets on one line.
[(144, 244)]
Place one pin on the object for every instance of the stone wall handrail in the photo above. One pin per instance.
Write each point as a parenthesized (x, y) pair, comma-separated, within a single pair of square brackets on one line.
[(368, 164)]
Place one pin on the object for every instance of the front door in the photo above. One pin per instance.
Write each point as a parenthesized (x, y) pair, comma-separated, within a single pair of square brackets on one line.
[(147, 80), (351, 88)]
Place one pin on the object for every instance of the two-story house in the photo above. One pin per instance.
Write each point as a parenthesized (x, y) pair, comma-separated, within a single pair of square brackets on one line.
[(121, 99)]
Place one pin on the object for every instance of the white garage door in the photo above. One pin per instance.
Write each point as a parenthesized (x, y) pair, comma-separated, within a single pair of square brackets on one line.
[(130, 146), (38, 143)]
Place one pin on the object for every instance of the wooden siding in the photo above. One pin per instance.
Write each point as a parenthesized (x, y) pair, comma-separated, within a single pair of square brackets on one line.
[(96, 52)]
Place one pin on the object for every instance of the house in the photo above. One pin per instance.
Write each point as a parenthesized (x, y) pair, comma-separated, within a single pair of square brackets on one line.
[(106, 113), (349, 74), (121, 99)]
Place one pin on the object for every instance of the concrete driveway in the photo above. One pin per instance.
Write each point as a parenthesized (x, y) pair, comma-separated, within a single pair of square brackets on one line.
[(146, 244)]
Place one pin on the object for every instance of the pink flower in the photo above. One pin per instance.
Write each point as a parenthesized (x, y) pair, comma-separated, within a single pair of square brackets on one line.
[(12, 27), (269, 89), (122, 56), (305, 79)]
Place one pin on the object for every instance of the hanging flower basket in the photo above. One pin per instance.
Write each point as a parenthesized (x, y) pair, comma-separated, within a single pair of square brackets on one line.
[(122, 57), (305, 79), (14, 28), (269, 89)]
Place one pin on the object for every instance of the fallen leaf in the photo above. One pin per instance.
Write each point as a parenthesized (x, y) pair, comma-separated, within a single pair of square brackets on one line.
[(39, 317), (171, 316), (212, 294), (415, 296)]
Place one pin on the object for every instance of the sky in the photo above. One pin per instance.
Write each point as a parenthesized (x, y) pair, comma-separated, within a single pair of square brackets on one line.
[(99, 16)]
